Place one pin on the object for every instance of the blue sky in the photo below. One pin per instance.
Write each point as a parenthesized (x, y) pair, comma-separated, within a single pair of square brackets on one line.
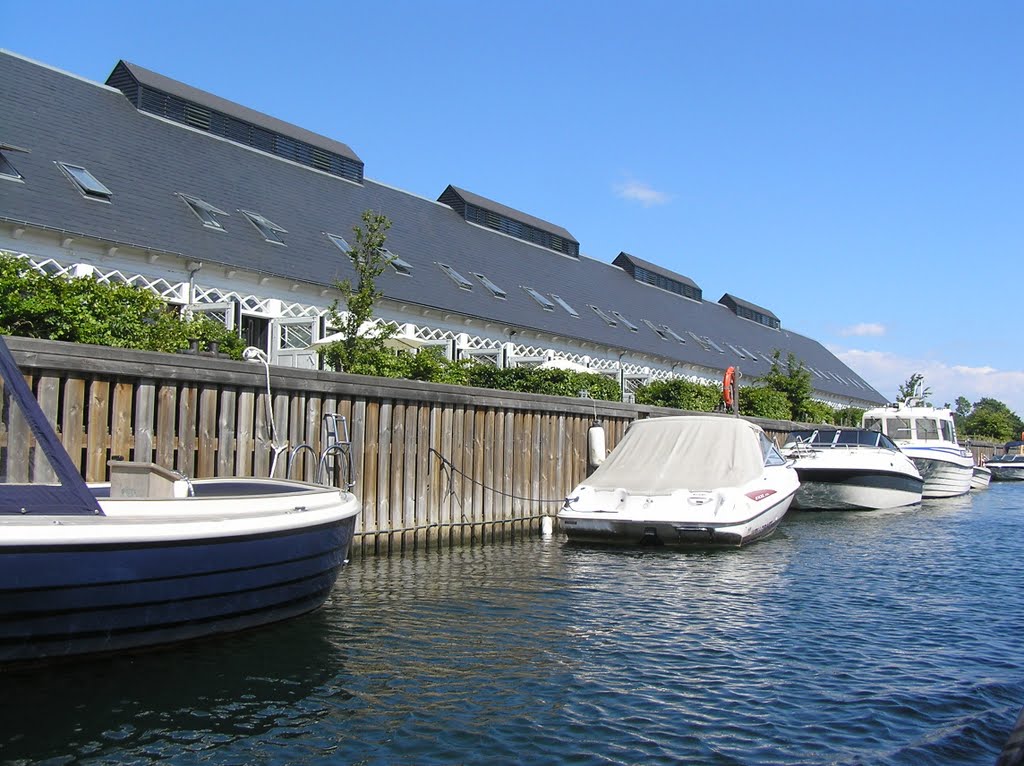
[(855, 167)]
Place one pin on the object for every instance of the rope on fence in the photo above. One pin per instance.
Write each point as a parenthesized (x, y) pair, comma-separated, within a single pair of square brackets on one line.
[(452, 470)]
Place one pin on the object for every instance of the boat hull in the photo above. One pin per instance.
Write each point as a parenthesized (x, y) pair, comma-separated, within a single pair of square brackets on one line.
[(679, 532), (1006, 472), (66, 595), (855, 490), (980, 477), (943, 477)]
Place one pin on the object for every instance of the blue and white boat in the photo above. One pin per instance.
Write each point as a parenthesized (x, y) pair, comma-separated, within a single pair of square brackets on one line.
[(927, 435), (150, 558)]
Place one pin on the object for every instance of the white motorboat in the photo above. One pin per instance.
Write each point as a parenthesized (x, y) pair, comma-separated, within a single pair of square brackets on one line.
[(1006, 467), (851, 469), (928, 436), (981, 477), (152, 557), (686, 481)]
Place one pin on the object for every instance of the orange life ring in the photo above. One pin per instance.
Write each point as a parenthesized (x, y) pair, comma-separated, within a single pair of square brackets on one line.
[(727, 383)]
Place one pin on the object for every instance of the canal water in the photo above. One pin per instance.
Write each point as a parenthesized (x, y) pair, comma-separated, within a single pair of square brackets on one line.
[(891, 637)]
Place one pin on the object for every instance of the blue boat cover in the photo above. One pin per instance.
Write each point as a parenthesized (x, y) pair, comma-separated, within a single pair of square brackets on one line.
[(53, 486)]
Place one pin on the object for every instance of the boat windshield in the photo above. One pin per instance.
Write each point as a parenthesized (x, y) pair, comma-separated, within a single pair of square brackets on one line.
[(771, 453), (928, 429)]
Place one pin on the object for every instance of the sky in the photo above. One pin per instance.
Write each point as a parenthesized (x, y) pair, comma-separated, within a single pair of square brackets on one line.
[(854, 166)]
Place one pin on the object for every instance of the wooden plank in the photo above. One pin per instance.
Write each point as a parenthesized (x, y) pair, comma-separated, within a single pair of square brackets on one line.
[(245, 432), (371, 449), (97, 434), (410, 473), (73, 420), (465, 531), (440, 472), (145, 414), (19, 438), (424, 461), (486, 435), (358, 433), (454, 455), (313, 415), (519, 462), (188, 407), (396, 485), (262, 441), (166, 424), (296, 433), (279, 435), (226, 437), (121, 436), (206, 458), (48, 396), (508, 464)]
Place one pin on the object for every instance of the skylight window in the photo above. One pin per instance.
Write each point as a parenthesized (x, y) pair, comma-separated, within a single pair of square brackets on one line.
[(266, 227), (751, 356), (700, 341), (340, 242), (204, 211), (86, 182), (402, 267), (7, 170), (714, 345), (496, 291), (736, 351), (569, 309), (661, 333), (673, 333), (632, 327), (456, 277), (611, 322), (544, 302)]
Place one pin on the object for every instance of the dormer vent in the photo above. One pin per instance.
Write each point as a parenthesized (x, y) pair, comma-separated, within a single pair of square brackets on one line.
[(642, 271), (493, 215), (153, 93), (746, 310)]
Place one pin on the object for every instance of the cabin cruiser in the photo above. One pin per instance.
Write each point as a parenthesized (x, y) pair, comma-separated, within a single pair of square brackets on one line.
[(1006, 467), (151, 557), (685, 481), (928, 436), (851, 469)]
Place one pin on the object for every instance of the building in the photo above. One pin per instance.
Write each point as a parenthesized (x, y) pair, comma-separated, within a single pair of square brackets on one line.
[(231, 212)]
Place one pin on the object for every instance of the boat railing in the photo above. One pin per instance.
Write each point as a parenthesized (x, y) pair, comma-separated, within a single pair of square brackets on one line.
[(337, 445)]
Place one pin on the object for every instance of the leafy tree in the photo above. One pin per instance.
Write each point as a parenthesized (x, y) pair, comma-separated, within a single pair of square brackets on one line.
[(794, 383), (849, 416), (680, 394), (85, 310), (765, 402), (910, 389), (362, 352), (993, 419)]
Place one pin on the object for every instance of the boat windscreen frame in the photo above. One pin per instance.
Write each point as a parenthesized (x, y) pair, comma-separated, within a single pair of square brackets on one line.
[(71, 496)]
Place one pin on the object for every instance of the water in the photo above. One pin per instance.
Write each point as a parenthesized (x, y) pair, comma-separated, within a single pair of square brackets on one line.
[(847, 638)]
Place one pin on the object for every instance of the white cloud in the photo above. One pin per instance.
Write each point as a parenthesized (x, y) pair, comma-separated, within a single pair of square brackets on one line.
[(638, 191), (887, 372), (863, 329)]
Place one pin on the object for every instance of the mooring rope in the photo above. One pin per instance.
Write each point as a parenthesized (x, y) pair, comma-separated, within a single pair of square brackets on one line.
[(452, 470)]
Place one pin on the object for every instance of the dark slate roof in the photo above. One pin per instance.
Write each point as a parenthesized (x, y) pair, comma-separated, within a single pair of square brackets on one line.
[(732, 301), (624, 258), (159, 82), (516, 215), (146, 162)]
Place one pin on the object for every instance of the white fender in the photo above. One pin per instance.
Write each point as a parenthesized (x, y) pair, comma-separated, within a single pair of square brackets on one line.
[(596, 450)]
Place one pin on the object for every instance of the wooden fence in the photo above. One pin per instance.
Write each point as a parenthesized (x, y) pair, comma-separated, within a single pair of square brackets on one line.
[(433, 464)]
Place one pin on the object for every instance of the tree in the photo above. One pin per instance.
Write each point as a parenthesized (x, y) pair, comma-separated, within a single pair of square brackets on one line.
[(993, 419), (794, 383), (360, 351), (910, 388)]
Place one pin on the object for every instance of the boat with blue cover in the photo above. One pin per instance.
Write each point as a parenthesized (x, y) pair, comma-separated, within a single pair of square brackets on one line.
[(151, 557)]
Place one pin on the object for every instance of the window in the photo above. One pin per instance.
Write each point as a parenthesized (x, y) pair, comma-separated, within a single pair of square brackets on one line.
[(898, 428), (544, 302), (7, 170), (661, 333), (569, 309), (632, 327), (266, 227), (455, 276), (86, 182), (673, 333), (700, 341), (750, 355), (340, 242), (401, 267), (714, 345), (736, 351), (611, 322), (204, 211), (496, 291), (928, 429)]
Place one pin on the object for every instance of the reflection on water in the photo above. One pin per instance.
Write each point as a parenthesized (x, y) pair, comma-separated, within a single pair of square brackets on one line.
[(889, 637)]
